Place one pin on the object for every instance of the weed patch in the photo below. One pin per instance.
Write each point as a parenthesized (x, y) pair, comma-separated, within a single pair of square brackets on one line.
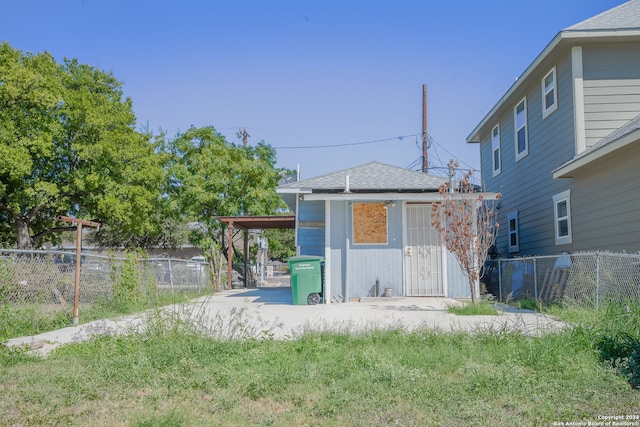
[(475, 309)]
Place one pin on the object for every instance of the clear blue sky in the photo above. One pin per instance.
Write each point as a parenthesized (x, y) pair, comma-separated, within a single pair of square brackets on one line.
[(306, 73)]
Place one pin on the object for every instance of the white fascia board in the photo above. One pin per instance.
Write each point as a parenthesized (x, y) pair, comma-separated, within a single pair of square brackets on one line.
[(566, 171), (405, 197), (293, 190), (602, 35)]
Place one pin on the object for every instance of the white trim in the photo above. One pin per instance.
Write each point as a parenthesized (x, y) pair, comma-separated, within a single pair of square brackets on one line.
[(404, 248), (295, 230), (565, 196), (546, 111), (327, 252), (498, 170), (513, 216), (347, 252), (579, 132), (525, 152), (296, 190), (398, 197)]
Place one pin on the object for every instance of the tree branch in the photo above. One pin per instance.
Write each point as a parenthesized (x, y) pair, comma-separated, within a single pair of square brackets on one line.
[(51, 231)]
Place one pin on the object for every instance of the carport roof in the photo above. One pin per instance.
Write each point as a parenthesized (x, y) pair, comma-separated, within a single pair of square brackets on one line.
[(259, 222)]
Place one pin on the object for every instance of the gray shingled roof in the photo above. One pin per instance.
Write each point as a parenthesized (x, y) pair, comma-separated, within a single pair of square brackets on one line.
[(625, 16), (371, 177)]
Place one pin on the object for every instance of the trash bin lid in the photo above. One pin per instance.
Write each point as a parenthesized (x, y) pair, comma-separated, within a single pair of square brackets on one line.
[(306, 258)]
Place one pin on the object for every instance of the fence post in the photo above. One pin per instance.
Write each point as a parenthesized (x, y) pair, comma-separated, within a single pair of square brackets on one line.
[(198, 276), (170, 276), (597, 280), (535, 278), (499, 280)]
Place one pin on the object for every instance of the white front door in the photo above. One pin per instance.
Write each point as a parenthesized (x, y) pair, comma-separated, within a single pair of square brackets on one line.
[(422, 254)]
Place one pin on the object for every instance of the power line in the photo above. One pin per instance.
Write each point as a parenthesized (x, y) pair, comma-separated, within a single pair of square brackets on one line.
[(300, 147)]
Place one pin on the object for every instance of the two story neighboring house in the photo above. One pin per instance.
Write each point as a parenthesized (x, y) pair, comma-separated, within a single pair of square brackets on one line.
[(562, 145)]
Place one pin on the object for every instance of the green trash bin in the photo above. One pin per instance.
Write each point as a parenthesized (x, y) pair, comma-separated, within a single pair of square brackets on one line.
[(306, 279)]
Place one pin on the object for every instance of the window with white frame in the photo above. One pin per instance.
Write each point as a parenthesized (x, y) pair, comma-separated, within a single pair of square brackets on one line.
[(549, 93), (562, 217), (495, 141), (521, 137), (514, 238)]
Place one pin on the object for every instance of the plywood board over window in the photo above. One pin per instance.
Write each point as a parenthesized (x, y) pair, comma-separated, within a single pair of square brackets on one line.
[(370, 224)]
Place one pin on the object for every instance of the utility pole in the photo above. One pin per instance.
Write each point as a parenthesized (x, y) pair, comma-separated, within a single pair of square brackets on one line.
[(424, 129), (244, 136)]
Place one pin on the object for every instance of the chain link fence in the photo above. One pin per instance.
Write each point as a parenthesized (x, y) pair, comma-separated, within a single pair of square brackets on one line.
[(47, 278), (588, 278)]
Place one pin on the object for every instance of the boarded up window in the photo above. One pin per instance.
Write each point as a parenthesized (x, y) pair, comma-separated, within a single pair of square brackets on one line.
[(369, 223)]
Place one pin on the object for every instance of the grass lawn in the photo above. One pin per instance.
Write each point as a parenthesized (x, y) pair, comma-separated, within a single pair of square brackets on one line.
[(171, 375)]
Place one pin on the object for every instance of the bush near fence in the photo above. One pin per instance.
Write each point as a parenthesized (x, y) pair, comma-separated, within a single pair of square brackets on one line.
[(47, 278), (585, 278)]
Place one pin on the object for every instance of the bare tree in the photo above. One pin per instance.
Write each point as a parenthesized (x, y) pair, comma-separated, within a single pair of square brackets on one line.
[(465, 219)]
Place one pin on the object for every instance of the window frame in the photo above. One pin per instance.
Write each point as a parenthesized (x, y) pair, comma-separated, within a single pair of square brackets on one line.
[(548, 110), (524, 126), (515, 231), (498, 170), (559, 198)]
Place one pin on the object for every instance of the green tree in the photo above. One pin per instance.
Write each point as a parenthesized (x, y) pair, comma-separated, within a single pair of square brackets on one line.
[(282, 244), (68, 146), (211, 177)]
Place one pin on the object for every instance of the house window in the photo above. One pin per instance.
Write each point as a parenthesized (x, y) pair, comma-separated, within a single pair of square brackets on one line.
[(370, 224), (520, 119), (549, 93), (495, 140), (562, 217), (514, 238)]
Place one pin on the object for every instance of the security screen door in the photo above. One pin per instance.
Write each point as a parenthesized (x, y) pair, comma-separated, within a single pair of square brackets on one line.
[(422, 254)]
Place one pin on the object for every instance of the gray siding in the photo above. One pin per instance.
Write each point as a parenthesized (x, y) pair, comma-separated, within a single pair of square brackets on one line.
[(605, 203), (611, 88), (527, 185), (311, 228)]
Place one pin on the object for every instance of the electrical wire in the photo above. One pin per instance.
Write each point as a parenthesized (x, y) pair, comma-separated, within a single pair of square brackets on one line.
[(342, 145)]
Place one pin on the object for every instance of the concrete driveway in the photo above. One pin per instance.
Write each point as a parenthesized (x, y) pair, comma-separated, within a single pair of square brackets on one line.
[(268, 312)]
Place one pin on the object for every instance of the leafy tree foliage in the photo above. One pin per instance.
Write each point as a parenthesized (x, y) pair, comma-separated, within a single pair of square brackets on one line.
[(68, 147), (211, 177), (281, 243)]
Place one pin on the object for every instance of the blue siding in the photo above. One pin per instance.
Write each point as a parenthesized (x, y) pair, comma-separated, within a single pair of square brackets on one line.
[(457, 282), (338, 241), (355, 268), (311, 228)]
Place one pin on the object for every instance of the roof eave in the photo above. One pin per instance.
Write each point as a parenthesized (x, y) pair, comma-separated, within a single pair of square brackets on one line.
[(406, 197)]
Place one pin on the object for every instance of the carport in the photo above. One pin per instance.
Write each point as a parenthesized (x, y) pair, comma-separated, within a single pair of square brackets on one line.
[(247, 223)]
